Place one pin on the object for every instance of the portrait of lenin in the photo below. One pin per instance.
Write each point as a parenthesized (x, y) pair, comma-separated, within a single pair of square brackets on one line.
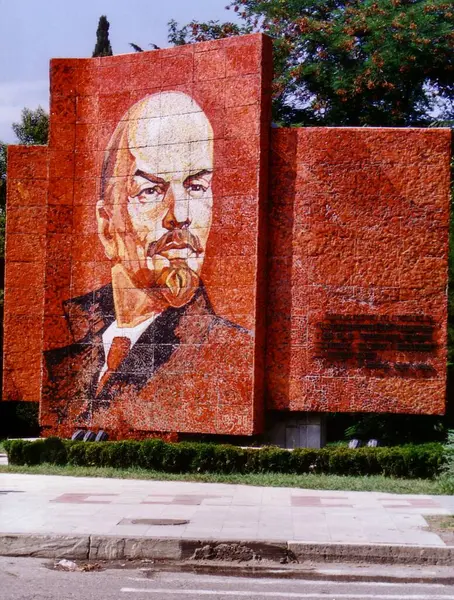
[(154, 216)]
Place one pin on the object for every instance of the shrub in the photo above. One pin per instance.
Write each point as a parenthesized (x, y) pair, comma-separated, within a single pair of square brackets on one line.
[(15, 452), (95, 455), (410, 461), (150, 454), (121, 455), (273, 459), (447, 478), (178, 458), (54, 451), (34, 452), (217, 458), (77, 454), (448, 467), (303, 460), (228, 459)]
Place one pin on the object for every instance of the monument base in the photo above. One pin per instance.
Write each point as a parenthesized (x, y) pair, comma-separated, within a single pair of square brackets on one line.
[(297, 430)]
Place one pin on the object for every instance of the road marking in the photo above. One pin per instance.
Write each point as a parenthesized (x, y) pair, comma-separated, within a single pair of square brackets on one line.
[(238, 593), (223, 580)]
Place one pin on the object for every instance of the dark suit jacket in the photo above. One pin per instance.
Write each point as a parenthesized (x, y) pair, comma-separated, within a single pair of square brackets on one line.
[(69, 394)]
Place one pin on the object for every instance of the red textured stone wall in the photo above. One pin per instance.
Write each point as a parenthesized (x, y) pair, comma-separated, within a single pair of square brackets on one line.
[(358, 270), (24, 272), (198, 364)]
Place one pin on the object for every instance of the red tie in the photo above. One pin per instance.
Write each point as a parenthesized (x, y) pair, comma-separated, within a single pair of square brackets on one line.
[(117, 353)]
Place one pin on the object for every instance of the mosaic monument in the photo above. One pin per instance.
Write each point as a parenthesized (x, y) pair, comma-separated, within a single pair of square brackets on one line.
[(175, 265)]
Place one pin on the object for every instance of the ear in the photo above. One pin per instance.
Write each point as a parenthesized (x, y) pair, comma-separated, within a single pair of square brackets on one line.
[(106, 231)]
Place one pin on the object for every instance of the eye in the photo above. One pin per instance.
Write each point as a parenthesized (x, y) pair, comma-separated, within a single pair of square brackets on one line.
[(150, 193), (196, 189)]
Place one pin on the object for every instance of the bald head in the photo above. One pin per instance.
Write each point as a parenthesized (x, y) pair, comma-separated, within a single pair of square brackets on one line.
[(163, 133)]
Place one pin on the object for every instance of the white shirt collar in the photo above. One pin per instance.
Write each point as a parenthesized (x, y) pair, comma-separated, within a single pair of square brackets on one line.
[(133, 333)]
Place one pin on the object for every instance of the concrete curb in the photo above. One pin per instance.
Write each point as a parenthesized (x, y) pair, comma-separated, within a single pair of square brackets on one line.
[(372, 553), (99, 547)]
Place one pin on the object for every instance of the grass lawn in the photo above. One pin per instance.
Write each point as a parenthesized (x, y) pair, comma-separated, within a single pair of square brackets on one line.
[(376, 483)]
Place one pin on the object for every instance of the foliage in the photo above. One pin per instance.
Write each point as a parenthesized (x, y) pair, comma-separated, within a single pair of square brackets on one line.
[(392, 429), (135, 47), (33, 128), (350, 62), (103, 46), (447, 476), (203, 32), (448, 467), (409, 461)]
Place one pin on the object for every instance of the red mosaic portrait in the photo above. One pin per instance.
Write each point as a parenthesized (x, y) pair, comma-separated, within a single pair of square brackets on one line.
[(151, 293)]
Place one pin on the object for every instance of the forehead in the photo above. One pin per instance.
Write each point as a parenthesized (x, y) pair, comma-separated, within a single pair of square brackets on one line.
[(183, 157), (170, 133)]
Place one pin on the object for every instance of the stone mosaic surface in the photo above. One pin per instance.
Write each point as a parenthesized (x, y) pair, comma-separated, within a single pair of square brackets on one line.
[(357, 270)]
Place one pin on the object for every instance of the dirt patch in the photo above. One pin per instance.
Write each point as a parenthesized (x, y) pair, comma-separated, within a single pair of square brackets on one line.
[(443, 526), (229, 552)]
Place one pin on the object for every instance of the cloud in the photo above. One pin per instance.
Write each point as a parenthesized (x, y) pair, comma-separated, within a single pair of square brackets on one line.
[(14, 96)]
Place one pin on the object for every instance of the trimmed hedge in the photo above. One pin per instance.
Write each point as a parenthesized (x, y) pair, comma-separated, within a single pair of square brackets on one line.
[(409, 461)]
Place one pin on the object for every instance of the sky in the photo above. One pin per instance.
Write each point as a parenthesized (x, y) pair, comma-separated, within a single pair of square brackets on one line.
[(34, 31)]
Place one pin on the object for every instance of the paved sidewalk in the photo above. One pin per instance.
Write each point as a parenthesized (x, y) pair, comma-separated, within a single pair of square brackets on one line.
[(36, 504)]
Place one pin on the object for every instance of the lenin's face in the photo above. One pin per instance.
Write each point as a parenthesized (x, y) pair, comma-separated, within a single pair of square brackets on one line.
[(155, 215)]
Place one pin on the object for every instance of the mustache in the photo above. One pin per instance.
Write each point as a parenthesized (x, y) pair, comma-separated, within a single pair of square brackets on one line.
[(175, 239)]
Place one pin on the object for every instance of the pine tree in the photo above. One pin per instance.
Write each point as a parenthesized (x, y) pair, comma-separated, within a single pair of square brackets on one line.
[(103, 47)]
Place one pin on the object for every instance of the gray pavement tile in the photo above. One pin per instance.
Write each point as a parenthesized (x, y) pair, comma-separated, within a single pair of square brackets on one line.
[(349, 540), (217, 501), (189, 535), (183, 512), (238, 534), (232, 512)]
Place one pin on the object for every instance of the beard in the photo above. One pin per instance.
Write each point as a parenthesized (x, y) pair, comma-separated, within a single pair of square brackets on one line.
[(177, 282)]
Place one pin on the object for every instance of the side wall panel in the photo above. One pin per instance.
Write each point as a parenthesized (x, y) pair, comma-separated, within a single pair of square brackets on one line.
[(24, 272), (357, 304)]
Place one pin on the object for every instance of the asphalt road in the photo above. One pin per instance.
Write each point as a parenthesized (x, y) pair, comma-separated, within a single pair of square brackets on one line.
[(32, 579)]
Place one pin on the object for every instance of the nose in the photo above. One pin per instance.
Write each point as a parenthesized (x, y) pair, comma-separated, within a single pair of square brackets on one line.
[(177, 216)]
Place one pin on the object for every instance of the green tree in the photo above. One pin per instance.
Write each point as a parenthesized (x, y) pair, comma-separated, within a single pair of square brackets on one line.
[(103, 47), (351, 62), (33, 128), (203, 32)]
